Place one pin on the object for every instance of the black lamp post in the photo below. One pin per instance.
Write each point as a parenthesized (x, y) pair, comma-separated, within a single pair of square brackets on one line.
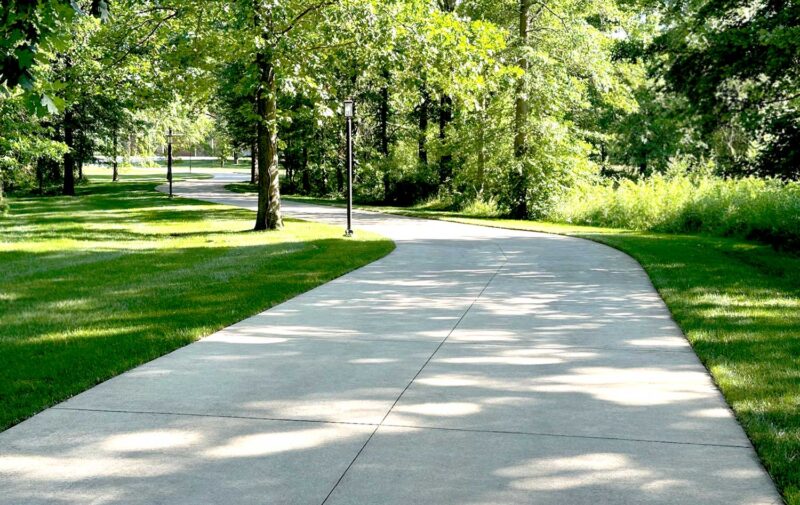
[(349, 113), (170, 136)]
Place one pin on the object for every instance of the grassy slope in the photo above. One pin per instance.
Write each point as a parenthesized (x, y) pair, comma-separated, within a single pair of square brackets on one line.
[(95, 285), (738, 304)]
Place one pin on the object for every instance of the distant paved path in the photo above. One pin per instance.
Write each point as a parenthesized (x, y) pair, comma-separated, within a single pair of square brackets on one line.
[(470, 366)]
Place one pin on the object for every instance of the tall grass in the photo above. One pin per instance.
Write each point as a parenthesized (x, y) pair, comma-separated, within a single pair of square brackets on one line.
[(762, 209)]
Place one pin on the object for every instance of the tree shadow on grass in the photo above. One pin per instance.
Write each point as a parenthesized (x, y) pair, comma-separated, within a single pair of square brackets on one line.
[(74, 315)]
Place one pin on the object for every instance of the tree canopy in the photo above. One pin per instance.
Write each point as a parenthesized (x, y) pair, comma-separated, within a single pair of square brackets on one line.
[(510, 102)]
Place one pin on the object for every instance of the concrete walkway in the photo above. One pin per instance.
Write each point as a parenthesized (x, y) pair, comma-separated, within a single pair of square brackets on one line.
[(470, 366)]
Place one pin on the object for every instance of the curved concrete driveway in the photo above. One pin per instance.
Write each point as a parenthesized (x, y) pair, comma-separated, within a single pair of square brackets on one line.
[(470, 366)]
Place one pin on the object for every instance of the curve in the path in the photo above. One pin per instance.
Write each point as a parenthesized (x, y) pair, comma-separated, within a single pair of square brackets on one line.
[(470, 366)]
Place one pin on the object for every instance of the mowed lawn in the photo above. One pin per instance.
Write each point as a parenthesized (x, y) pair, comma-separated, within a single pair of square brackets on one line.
[(738, 302), (94, 285)]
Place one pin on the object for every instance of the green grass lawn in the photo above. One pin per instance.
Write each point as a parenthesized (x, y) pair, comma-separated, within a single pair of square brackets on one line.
[(738, 303), (94, 285)]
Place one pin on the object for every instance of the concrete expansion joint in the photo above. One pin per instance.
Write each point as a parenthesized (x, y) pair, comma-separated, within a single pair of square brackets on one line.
[(472, 304), (395, 425)]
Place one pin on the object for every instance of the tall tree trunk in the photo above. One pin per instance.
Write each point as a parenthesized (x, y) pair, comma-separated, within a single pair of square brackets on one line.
[(422, 147), (235, 156), (115, 153), (269, 203), (445, 116), (69, 156), (518, 176), (253, 154)]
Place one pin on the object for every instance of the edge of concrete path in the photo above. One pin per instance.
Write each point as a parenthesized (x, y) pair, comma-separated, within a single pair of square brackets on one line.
[(525, 232)]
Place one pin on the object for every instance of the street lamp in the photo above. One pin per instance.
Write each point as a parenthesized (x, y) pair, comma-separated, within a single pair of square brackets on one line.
[(349, 113), (170, 136)]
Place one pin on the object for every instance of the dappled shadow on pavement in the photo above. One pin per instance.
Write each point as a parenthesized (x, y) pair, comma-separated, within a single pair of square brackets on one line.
[(470, 366)]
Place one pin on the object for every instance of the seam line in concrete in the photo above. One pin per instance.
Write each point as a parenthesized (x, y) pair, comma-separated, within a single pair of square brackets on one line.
[(356, 340), (434, 428), (217, 416), (341, 477), (562, 435)]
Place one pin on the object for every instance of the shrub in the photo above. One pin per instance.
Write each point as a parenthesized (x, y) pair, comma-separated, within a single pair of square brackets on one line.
[(767, 210)]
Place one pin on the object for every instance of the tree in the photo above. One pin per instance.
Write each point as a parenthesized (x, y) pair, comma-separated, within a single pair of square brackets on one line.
[(737, 64)]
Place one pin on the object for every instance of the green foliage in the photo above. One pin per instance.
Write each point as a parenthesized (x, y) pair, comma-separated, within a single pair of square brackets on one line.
[(736, 62), (763, 209)]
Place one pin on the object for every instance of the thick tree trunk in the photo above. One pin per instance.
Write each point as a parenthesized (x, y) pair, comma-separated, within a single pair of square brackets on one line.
[(422, 147), (269, 204), (253, 154), (518, 177), (69, 156), (235, 156)]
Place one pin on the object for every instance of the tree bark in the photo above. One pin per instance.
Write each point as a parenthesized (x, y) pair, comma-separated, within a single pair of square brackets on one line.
[(69, 156), (445, 116), (269, 204), (518, 176)]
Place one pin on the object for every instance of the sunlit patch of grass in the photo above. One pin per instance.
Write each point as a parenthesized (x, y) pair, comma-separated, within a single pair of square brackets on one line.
[(95, 285)]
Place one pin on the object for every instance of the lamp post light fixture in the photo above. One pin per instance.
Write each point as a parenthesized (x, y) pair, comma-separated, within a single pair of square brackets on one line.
[(349, 113)]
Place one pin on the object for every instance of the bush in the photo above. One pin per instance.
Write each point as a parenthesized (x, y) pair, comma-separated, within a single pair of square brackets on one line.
[(767, 210)]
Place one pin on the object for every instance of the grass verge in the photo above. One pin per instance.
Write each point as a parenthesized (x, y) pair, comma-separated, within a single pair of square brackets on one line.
[(95, 285), (738, 303)]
